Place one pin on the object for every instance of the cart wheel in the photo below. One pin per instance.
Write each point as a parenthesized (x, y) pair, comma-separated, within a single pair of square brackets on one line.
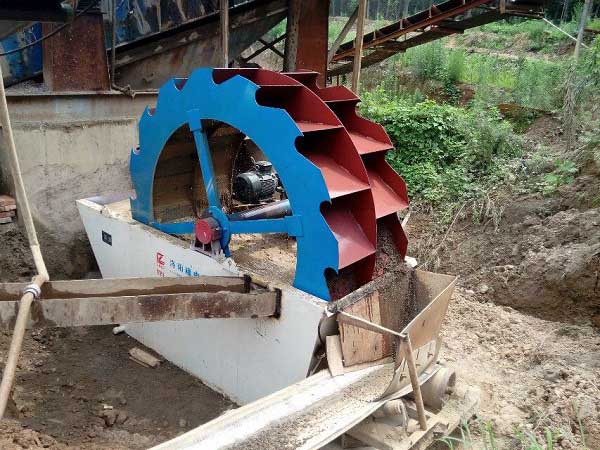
[(438, 388)]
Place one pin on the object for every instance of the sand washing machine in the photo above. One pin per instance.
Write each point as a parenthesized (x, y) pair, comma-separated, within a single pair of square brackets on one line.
[(327, 162), (264, 175)]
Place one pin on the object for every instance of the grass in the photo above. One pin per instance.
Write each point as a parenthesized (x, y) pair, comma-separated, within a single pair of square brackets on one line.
[(484, 437), (535, 83)]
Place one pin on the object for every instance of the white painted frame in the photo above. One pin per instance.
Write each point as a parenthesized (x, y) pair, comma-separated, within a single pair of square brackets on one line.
[(245, 359)]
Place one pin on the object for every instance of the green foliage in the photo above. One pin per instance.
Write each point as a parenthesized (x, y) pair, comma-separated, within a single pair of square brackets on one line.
[(277, 30), (486, 438), (536, 30), (446, 154), (429, 62), (538, 84), (582, 92), (522, 119), (456, 65), (531, 82), (564, 173), (594, 24), (533, 34)]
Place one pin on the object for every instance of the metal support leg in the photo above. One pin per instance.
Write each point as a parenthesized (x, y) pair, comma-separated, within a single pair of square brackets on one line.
[(414, 380), (206, 165)]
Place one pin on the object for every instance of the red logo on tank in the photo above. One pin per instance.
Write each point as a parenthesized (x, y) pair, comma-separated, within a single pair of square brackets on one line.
[(160, 259)]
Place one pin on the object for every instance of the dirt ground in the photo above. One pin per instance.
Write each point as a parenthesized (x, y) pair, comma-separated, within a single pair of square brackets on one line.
[(532, 373), (78, 388), (523, 326)]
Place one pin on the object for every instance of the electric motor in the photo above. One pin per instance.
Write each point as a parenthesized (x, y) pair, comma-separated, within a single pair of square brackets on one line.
[(255, 186)]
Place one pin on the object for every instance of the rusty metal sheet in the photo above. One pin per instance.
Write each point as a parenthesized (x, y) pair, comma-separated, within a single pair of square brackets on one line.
[(313, 29), (152, 60), (75, 58), (75, 312), (114, 287)]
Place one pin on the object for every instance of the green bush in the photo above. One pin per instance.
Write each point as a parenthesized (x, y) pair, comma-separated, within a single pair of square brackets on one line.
[(456, 65), (429, 61), (445, 154)]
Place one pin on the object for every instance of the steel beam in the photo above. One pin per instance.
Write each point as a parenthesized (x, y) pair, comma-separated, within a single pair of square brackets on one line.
[(390, 47), (150, 61), (338, 40), (119, 287), (270, 45), (266, 46), (75, 312), (387, 33), (312, 37)]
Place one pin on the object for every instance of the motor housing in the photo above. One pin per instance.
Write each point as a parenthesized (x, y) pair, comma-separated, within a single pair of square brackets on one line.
[(256, 186)]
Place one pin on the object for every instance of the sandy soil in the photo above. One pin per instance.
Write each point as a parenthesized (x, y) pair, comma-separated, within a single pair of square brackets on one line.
[(524, 326), (78, 388), (68, 380), (533, 373)]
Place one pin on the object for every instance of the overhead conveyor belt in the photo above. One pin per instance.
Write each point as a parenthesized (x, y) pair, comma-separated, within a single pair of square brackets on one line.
[(440, 20)]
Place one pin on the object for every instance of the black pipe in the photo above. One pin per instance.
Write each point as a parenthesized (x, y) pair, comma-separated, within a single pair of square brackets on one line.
[(273, 210)]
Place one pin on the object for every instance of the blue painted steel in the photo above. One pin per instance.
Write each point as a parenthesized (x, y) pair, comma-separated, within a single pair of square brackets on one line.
[(27, 63), (175, 228), (206, 164), (274, 132), (259, 226), (221, 217)]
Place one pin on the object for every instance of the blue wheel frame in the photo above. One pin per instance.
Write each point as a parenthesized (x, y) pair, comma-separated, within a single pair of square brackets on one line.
[(273, 130)]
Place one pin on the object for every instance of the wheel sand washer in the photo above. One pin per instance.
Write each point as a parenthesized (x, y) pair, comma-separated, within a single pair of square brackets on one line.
[(276, 196)]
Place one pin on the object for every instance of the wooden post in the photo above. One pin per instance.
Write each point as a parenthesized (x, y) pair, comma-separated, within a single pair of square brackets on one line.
[(584, 14), (414, 381), (358, 45), (291, 38), (10, 367), (338, 40), (224, 32)]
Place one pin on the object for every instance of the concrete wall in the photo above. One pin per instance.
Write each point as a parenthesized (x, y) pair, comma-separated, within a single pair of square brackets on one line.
[(71, 146)]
